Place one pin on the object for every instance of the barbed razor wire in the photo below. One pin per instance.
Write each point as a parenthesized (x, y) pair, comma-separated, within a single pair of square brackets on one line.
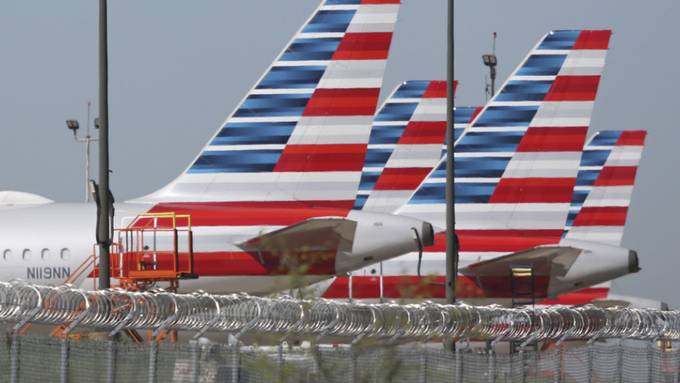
[(117, 309)]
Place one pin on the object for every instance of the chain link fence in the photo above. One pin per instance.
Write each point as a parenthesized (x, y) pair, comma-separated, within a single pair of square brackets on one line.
[(31, 358)]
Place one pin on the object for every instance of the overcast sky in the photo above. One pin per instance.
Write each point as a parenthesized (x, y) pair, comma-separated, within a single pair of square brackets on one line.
[(178, 68)]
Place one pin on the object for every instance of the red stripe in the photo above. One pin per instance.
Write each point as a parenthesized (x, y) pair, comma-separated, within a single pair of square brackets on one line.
[(601, 216), (632, 138), (401, 178), (573, 88), (342, 102), (580, 297), (497, 240), (322, 158), (364, 46), (593, 40), (533, 190), (238, 263), (410, 286), (437, 89), (568, 139), (424, 132), (244, 213), (616, 176)]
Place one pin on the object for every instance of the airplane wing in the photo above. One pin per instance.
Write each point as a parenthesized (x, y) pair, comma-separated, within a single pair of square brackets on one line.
[(310, 244)]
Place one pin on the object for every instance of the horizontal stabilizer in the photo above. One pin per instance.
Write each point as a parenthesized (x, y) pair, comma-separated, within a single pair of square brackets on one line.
[(544, 261), (527, 273), (309, 245)]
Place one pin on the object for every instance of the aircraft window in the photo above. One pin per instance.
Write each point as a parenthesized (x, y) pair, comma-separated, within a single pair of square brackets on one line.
[(7, 254), (45, 254), (26, 254), (65, 253)]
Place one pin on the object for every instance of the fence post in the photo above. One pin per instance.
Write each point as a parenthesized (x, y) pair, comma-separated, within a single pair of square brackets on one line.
[(111, 362), (13, 361), (558, 363), (619, 361), (590, 352), (650, 358), (423, 364), (280, 362), (63, 362), (194, 360), (492, 366), (235, 362), (459, 364), (153, 352)]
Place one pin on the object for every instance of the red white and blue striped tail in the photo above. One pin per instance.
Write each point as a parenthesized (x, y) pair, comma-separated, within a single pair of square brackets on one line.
[(406, 143), (516, 165), (300, 135), (604, 186)]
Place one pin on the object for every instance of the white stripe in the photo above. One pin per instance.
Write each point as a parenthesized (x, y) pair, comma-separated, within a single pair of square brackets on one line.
[(340, 7), (515, 103), (247, 178), (534, 78), (213, 148), (458, 180), (390, 123), (283, 91), (265, 119), (484, 154), (321, 35), (498, 129), (301, 63)]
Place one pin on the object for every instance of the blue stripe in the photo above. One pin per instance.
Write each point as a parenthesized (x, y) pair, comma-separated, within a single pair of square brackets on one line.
[(360, 201), (386, 134), (465, 193), (522, 90), (463, 114), (329, 21), (594, 157), (606, 138), (579, 197), (368, 180), (587, 177), (272, 105), (500, 116), (489, 142), (377, 158), (253, 133), (396, 111), (236, 161), (302, 77), (412, 89), (311, 49), (560, 40), (542, 65), (341, 2)]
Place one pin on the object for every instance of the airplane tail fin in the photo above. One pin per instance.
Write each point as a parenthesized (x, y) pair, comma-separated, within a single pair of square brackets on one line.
[(406, 143), (516, 165), (299, 136), (604, 186)]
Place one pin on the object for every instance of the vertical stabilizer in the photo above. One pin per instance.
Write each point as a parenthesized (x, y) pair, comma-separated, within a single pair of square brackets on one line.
[(300, 135)]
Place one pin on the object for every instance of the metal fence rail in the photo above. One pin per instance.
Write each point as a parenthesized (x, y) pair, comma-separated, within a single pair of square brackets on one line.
[(114, 310), (42, 359)]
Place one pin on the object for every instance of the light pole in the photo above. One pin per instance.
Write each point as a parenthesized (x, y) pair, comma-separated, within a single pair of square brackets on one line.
[(451, 237), (105, 209), (73, 126), (491, 61)]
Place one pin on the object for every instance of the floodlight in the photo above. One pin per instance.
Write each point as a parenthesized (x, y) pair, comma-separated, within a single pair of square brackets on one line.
[(489, 60), (73, 125)]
